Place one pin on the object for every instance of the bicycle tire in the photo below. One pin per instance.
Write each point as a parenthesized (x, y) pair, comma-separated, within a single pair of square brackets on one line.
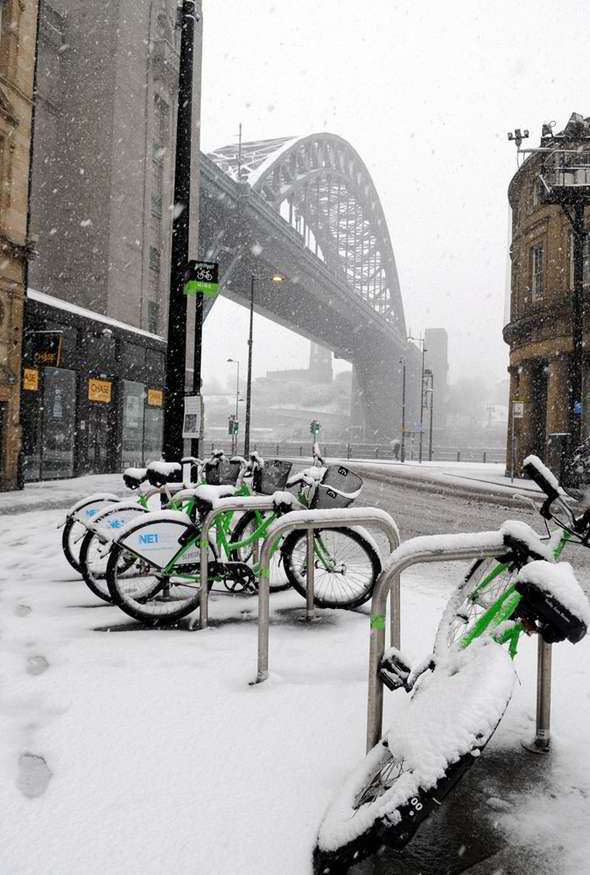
[(386, 799), (469, 601), (72, 535), (148, 605), (346, 547), (95, 577), (278, 579)]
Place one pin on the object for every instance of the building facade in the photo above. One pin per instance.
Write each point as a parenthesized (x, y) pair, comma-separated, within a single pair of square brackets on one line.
[(539, 331), (102, 203), (18, 23)]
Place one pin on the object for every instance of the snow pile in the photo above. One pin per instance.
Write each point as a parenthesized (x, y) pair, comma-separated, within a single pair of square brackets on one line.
[(212, 494), (527, 535), (452, 712), (164, 468), (558, 580), (282, 498), (544, 471)]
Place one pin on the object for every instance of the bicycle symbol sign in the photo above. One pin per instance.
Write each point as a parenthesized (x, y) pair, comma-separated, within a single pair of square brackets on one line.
[(201, 278)]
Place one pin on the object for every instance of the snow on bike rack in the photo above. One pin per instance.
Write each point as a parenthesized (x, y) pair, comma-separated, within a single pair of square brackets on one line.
[(310, 520), (221, 506), (441, 548)]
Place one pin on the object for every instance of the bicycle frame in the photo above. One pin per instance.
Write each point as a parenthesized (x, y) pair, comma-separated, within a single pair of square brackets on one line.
[(504, 606)]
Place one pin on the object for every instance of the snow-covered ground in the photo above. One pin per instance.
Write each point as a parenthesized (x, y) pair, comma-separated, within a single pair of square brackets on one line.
[(130, 751)]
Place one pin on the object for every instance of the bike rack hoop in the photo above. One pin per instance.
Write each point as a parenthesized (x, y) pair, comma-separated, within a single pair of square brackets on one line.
[(308, 520), (438, 548), (221, 506)]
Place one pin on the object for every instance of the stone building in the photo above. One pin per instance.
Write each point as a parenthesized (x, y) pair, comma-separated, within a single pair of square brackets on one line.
[(539, 331), (101, 212), (18, 22)]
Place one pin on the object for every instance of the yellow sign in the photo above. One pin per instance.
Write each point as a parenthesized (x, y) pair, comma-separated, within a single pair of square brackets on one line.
[(31, 379), (99, 390), (155, 397)]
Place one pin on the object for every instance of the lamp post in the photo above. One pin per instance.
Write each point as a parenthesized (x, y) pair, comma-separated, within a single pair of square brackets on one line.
[(421, 340), (403, 446), (276, 278), (429, 373), (234, 439)]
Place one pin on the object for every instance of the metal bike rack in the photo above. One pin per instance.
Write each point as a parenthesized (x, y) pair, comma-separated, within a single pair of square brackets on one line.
[(309, 520), (441, 548), (223, 505)]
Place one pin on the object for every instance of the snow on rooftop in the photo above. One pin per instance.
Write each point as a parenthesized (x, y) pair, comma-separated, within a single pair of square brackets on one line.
[(59, 304)]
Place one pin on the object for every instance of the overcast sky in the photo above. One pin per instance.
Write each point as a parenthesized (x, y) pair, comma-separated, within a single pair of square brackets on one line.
[(425, 92)]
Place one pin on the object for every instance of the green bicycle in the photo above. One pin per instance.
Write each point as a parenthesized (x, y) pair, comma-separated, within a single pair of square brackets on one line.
[(459, 694), (166, 583)]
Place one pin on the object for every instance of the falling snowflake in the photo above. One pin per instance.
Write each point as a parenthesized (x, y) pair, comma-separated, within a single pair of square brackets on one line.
[(85, 223), (256, 249)]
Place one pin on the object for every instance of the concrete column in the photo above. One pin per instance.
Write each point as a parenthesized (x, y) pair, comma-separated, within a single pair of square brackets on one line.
[(557, 395), (525, 427)]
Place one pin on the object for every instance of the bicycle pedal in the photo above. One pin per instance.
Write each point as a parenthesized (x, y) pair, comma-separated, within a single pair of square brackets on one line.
[(394, 670)]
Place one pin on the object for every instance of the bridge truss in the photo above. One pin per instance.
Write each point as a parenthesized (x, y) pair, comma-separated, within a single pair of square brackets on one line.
[(322, 188)]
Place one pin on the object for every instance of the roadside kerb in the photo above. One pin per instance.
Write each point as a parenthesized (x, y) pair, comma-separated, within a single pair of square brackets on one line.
[(309, 520), (221, 506), (441, 548)]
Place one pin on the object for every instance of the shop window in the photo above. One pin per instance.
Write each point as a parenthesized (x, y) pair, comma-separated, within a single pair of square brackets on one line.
[(132, 432), (152, 434), (58, 423), (155, 364), (537, 272)]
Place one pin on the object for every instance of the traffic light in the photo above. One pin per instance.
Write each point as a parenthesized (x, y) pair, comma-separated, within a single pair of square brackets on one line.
[(233, 425), (314, 427)]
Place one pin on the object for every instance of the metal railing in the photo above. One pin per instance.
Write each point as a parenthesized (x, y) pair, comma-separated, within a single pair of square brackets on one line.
[(225, 505), (441, 548), (309, 520), (567, 168), (358, 450)]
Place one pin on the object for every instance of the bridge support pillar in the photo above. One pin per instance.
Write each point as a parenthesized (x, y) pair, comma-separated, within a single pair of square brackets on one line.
[(376, 396)]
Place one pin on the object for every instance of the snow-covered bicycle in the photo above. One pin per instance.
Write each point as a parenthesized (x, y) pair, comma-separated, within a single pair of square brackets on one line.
[(459, 694)]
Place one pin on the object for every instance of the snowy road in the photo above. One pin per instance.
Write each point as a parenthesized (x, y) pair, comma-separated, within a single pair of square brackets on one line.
[(130, 752)]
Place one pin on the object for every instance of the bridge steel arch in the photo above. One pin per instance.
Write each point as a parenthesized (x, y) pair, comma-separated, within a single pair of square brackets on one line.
[(320, 188)]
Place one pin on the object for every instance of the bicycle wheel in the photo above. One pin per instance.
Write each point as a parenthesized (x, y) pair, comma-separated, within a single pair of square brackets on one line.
[(483, 585), (436, 738), (149, 596), (245, 527), (71, 540), (346, 566), (94, 557)]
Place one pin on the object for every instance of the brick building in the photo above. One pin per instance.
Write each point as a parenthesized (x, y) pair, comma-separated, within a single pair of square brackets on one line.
[(539, 331), (18, 23)]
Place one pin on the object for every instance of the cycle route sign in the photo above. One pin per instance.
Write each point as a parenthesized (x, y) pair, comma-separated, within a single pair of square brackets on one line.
[(201, 278)]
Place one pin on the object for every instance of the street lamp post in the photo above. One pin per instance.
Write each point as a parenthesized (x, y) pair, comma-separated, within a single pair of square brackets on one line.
[(421, 340), (431, 390), (403, 446), (276, 278), (234, 439)]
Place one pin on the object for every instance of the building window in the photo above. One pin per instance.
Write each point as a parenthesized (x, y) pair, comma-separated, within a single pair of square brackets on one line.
[(586, 254), (154, 259), (153, 315), (537, 272), (156, 204)]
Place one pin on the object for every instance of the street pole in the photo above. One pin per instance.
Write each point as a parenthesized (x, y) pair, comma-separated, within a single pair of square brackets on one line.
[(173, 445), (576, 376), (403, 446), (249, 377), (431, 413), (421, 403)]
